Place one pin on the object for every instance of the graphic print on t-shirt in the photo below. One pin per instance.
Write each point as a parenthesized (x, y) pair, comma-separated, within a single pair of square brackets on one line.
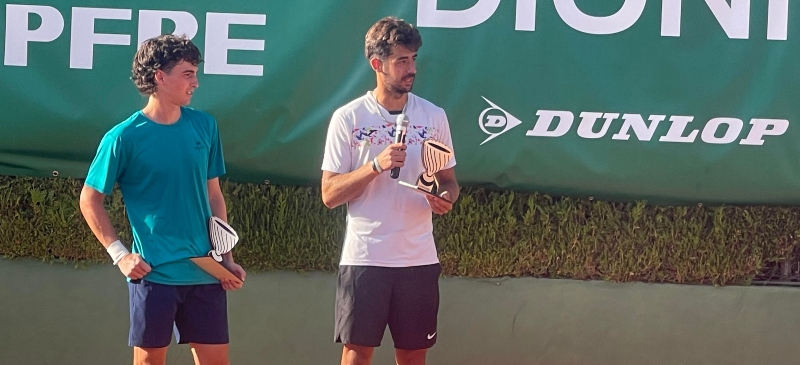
[(384, 135)]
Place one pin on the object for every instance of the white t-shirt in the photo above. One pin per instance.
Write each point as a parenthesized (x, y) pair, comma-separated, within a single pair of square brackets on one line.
[(389, 224)]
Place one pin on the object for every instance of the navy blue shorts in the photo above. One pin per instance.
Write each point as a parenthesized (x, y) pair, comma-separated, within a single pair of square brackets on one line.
[(368, 298), (194, 313)]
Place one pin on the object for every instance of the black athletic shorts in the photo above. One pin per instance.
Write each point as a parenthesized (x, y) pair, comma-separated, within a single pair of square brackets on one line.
[(370, 297)]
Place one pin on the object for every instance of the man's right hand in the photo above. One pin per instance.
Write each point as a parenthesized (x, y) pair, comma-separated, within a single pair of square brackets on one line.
[(393, 156), (133, 266)]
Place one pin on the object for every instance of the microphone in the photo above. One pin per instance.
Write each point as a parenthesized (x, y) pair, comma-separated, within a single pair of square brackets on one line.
[(399, 137)]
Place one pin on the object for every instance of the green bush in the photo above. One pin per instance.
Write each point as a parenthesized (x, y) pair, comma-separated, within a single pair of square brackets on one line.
[(488, 233)]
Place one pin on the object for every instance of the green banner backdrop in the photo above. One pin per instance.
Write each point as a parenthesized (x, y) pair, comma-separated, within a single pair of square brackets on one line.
[(672, 101)]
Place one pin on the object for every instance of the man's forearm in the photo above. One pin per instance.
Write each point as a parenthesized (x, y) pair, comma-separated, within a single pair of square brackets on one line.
[(216, 200), (219, 209), (338, 189), (447, 182), (452, 188)]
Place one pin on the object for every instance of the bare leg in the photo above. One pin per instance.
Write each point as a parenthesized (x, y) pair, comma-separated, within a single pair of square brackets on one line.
[(410, 357), (149, 356), (357, 355), (210, 354)]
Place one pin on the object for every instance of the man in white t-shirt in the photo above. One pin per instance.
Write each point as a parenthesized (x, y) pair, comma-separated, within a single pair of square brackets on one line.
[(389, 271)]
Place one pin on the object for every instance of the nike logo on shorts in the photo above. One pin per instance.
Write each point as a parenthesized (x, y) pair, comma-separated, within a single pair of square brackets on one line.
[(430, 337)]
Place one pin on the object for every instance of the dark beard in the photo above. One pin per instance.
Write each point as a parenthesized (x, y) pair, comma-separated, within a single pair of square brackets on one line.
[(397, 89)]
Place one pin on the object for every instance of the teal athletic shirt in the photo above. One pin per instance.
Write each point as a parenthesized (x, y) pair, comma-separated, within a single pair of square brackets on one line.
[(162, 171)]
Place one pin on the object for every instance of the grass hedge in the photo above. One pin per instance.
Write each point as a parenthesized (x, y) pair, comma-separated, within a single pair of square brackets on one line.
[(488, 233)]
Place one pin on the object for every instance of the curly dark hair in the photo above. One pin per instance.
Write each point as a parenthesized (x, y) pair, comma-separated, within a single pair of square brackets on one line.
[(161, 53), (389, 32)]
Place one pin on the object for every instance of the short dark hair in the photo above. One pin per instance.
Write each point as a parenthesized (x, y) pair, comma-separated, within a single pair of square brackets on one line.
[(161, 53), (389, 32)]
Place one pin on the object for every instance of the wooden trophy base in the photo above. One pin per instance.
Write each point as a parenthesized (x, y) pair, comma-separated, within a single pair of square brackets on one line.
[(417, 189), (211, 266)]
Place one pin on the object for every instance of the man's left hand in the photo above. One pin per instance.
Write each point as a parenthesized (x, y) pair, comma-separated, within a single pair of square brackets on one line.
[(440, 206), (237, 271)]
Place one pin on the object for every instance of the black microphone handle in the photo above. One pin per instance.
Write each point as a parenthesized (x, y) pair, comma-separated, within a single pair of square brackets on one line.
[(399, 137)]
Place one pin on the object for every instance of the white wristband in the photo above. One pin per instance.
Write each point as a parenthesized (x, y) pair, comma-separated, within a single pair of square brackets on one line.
[(117, 251), (376, 166)]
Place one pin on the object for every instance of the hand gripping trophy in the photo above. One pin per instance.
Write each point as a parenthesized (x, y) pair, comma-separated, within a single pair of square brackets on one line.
[(435, 156), (223, 238)]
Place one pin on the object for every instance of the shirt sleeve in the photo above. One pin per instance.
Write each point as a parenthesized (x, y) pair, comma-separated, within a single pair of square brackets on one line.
[(107, 165), (337, 156)]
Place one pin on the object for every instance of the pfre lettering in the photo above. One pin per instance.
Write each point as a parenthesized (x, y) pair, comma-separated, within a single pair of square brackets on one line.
[(83, 37)]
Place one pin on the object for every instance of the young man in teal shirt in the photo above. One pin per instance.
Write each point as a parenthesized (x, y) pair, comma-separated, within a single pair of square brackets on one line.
[(167, 159)]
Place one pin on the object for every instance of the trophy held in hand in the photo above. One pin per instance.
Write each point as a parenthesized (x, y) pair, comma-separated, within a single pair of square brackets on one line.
[(223, 238), (435, 156)]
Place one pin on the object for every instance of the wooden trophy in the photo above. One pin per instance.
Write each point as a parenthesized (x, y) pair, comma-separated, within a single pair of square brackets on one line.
[(435, 156), (223, 238)]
